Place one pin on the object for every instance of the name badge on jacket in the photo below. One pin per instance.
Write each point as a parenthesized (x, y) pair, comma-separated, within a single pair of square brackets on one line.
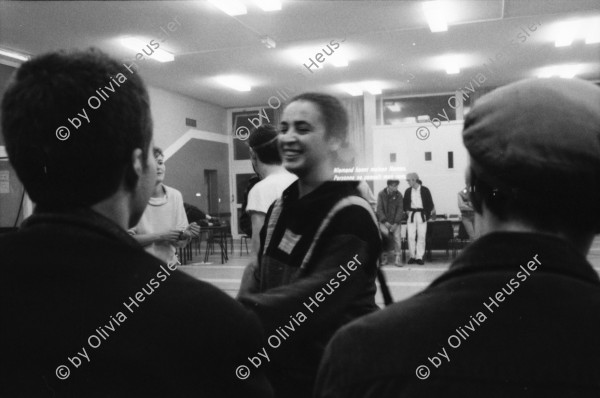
[(288, 242)]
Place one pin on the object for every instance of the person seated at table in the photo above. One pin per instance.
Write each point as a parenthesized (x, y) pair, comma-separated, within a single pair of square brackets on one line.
[(86, 312), (164, 226), (274, 178), (195, 215)]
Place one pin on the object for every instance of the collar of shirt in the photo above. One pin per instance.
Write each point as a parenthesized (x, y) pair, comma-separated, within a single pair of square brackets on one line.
[(161, 200)]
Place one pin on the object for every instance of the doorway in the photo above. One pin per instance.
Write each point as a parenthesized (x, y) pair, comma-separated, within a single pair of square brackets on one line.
[(212, 190)]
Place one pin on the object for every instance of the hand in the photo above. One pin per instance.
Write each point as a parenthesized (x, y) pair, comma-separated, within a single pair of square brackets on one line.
[(171, 236), (388, 225), (194, 229), (185, 235), (394, 227)]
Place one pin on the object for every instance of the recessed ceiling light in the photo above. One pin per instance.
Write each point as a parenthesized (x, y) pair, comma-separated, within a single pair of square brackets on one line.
[(592, 34), (566, 32), (436, 12), (234, 82), (339, 61), (564, 71), (269, 5), (356, 89), (230, 7), (452, 64), (139, 46), (14, 55)]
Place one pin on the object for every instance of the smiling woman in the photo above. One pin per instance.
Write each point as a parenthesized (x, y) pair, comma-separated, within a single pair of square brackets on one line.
[(308, 231)]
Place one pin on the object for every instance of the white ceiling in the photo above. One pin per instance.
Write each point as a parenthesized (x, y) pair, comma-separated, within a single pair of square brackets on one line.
[(385, 41)]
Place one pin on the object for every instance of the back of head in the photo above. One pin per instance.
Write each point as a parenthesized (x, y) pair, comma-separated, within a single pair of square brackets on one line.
[(535, 154), (263, 142), (69, 144)]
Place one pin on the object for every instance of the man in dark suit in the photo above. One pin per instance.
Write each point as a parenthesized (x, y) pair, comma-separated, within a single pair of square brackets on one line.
[(518, 312), (85, 310)]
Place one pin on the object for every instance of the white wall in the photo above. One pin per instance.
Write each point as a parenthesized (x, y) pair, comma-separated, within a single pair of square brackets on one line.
[(169, 111), (444, 183)]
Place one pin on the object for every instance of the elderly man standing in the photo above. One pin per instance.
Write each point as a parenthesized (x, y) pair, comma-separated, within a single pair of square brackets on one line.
[(518, 312), (418, 204)]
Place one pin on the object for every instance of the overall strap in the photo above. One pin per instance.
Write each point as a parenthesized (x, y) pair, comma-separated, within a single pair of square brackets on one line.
[(277, 207), (342, 204)]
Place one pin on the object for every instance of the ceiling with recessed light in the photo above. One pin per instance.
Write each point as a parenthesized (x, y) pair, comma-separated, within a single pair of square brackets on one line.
[(340, 47)]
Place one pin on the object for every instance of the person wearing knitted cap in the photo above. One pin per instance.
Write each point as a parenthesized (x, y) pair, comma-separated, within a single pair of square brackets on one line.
[(518, 312), (266, 162), (418, 205)]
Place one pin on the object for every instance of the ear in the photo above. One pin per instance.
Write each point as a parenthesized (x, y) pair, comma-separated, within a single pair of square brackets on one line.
[(334, 144), (138, 161), (134, 170)]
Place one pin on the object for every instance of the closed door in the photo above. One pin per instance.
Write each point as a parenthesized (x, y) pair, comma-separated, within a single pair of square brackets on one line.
[(212, 188)]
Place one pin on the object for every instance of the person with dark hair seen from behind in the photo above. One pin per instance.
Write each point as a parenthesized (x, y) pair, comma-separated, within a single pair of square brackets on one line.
[(518, 312), (245, 223), (85, 310), (317, 228), (390, 213), (419, 208), (194, 214), (274, 178), (164, 225)]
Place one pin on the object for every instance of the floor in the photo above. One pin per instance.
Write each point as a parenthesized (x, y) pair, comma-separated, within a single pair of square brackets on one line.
[(403, 282)]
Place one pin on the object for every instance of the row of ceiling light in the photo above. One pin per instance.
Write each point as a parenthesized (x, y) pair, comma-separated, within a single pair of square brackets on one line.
[(438, 14)]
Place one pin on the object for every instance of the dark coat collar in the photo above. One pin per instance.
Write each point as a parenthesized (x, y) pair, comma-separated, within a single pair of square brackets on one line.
[(84, 218), (504, 251)]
